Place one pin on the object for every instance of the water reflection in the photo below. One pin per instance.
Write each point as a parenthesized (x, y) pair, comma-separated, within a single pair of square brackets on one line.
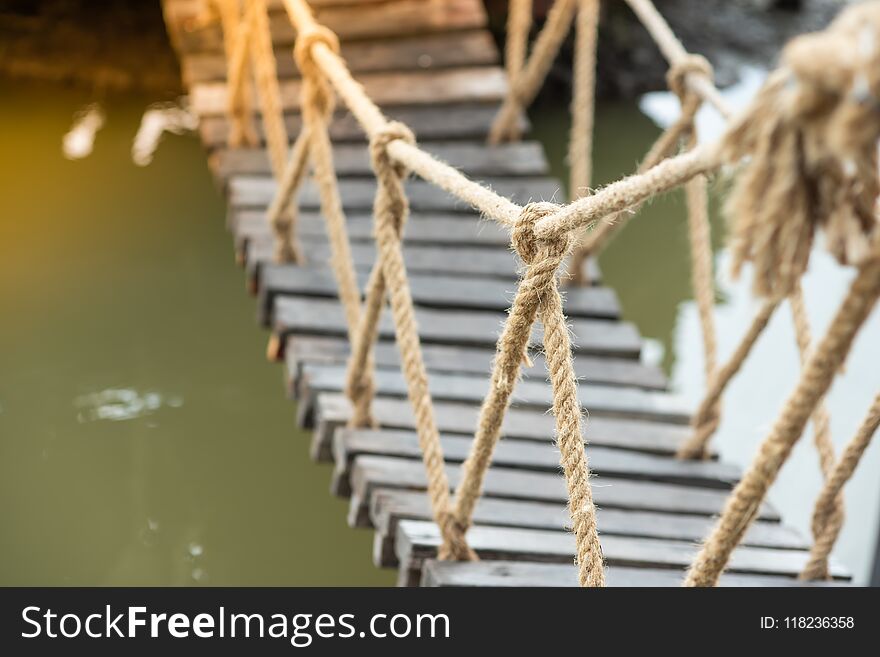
[(120, 404)]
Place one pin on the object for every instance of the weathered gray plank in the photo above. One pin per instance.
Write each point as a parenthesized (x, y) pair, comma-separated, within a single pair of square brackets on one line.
[(333, 411), (302, 350), (434, 291), (258, 192), (598, 400), (470, 84), (473, 158), (296, 315), (388, 507), (349, 444), (458, 121), (436, 229), (370, 473), (391, 53), (417, 541), (528, 574), (465, 261)]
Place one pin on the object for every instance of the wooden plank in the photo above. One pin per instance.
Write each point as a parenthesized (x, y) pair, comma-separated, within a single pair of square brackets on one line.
[(464, 84), (349, 22), (393, 53), (529, 574), (418, 540), (303, 350), (296, 315), (429, 291), (598, 400), (435, 229), (473, 158), (349, 444), (358, 194), (333, 411), (462, 261), (458, 121), (388, 507), (369, 473)]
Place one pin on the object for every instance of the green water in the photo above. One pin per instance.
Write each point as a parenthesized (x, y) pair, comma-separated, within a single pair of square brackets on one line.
[(120, 298)]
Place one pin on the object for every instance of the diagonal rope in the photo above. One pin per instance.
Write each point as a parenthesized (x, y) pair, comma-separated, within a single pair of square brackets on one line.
[(826, 527)]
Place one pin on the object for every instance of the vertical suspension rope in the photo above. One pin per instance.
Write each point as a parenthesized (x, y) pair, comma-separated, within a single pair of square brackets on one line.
[(391, 209), (239, 109), (519, 24), (268, 91), (538, 294), (317, 110), (529, 81), (583, 110)]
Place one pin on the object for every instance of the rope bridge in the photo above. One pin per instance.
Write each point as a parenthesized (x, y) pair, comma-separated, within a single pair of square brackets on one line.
[(805, 152)]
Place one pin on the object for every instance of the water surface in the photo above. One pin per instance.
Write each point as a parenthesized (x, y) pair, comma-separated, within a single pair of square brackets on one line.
[(143, 437)]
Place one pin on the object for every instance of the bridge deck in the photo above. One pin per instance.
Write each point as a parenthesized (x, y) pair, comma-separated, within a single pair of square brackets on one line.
[(432, 64)]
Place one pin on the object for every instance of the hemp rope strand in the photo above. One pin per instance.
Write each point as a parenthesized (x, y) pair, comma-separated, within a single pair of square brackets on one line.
[(519, 24), (824, 532), (529, 80), (583, 110), (236, 42), (825, 513), (317, 110)]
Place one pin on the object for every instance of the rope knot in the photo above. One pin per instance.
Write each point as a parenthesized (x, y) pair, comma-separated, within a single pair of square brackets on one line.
[(306, 40), (691, 64), (317, 92), (527, 244), (455, 546), (392, 131)]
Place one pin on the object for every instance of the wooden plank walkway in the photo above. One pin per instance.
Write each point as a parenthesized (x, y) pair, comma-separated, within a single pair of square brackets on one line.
[(433, 65)]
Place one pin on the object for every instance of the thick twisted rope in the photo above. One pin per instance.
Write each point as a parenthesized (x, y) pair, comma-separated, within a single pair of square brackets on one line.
[(268, 91), (815, 379), (236, 42), (583, 110), (390, 213), (826, 514), (288, 172), (317, 110), (528, 82), (826, 527), (516, 41), (281, 215), (538, 294), (392, 205)]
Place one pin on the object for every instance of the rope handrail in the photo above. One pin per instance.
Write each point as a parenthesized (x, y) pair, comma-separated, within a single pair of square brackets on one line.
[(542, 234)]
